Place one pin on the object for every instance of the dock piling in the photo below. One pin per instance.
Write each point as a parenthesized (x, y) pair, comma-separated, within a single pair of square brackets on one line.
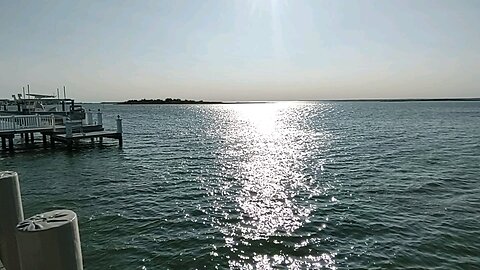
[(11, 212), (119, 124), (52, 141), (10, 143), (50, 240), (44, 139)]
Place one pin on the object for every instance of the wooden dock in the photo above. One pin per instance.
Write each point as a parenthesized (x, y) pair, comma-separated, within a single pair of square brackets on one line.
[(88, 135), (70, 133)]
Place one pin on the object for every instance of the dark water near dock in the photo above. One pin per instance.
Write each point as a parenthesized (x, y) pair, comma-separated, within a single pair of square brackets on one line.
[(281, 185)]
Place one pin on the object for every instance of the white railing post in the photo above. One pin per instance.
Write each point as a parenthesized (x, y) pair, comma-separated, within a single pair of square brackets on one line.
[(13, 123), (52, 119), (119, 124), (99, 118), (89, 117)]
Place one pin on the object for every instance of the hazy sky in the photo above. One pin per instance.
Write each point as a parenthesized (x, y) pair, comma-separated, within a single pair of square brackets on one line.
[(241, 50)]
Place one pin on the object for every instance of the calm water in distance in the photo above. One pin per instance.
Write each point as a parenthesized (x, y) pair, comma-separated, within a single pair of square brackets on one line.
[(364, 185)]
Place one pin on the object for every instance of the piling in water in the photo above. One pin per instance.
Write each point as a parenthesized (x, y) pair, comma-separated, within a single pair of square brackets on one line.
[(11, 213)]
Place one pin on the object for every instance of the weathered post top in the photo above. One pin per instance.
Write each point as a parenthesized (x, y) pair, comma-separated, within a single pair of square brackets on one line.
[(50, 240), (47, 221)]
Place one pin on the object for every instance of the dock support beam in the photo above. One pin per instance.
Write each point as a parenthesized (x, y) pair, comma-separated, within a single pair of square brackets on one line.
[(32, 138), (4, 143)]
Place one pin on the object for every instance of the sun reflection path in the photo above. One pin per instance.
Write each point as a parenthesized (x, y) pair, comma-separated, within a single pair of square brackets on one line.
[(267, 148)]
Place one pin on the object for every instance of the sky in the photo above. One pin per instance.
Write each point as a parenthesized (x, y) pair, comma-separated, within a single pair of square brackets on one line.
[(241, 49)]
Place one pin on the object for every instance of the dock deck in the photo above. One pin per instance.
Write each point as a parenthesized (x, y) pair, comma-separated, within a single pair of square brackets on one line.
[(69, 133)]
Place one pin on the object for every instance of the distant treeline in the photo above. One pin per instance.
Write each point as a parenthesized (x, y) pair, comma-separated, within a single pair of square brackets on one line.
[(168, 101)]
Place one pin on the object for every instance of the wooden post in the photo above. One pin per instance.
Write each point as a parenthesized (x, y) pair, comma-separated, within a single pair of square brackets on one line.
[(44, 139), (52, 141), (32, 138), (11, 212), (50, 241), (4, 143), (26, 138), (10, 143), (119, 125)]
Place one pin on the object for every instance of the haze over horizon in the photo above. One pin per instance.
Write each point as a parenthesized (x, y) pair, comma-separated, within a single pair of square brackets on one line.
[(241, 50)]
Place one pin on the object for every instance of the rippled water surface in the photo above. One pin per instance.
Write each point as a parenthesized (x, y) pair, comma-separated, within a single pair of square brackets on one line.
[(275, 185)]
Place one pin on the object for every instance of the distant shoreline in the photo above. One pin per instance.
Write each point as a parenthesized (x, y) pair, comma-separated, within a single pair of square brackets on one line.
[(175, 101), (399, 99), (186, 101)]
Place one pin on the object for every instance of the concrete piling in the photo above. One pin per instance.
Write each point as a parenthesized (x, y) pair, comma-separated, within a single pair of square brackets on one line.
[(11, 213), (50, 241)]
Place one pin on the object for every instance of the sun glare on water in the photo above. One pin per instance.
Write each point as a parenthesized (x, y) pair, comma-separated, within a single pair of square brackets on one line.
[(264, 155)]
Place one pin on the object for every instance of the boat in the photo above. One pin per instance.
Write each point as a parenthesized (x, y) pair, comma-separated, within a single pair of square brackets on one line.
[(31, 104)]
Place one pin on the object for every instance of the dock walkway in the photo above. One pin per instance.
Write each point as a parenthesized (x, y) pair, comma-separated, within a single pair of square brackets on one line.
[(69, 132)]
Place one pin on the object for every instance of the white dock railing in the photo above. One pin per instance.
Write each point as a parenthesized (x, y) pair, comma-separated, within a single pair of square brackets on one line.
[(25, 122)]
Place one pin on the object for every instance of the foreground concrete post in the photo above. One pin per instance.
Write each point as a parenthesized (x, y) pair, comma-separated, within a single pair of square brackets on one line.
[(11, 212), (50, 241)]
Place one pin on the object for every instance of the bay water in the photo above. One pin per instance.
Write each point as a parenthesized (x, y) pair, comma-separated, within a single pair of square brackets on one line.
[(295, 185)]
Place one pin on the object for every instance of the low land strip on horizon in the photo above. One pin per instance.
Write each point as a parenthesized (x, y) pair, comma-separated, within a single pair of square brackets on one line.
[(189, 101)]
